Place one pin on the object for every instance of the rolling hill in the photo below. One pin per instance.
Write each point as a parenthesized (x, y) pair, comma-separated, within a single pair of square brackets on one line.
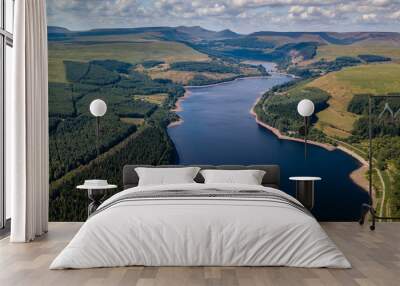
[(318, 52), (180, 33), (57, 30), (197, 33), (169, 45), (375, 79), (284, 48)]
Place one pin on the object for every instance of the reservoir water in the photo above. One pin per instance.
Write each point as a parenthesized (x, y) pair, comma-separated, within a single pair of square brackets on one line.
[(218, 128)]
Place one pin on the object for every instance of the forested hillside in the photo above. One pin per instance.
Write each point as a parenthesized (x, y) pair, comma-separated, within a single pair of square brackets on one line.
[(150, 145), (386, 142), (278, 107), (129, 95)]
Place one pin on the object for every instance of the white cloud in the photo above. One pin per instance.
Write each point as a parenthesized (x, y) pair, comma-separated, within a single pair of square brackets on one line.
[(243, 15), (380, 2), (395, 15), (369, 17), (272, 3), (311, 13)]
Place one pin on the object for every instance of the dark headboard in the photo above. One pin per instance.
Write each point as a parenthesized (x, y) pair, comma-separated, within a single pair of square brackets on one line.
[(271, 177)]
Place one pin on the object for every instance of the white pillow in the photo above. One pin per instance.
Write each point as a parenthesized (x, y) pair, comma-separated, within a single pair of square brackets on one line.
[(248, 177), (166, 176)]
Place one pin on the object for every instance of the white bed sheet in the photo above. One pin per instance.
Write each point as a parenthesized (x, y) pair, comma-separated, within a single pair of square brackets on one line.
[(200, 232)]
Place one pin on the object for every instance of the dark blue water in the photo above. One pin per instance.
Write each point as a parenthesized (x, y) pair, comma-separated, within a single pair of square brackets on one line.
[(218, 129)]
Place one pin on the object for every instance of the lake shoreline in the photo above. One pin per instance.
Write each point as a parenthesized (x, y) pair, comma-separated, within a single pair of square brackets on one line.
[(178, 103), (281, 136), (227, 81), (356, 176), (178, 108)]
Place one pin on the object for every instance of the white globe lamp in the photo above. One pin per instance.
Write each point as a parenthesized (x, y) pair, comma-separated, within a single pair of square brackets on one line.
[(305, 108), (98, 108)]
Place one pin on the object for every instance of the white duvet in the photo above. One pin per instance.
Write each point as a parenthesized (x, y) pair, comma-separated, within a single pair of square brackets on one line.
[(203, 232)]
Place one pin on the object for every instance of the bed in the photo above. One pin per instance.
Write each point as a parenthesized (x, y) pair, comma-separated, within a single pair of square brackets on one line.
[(198, 224)]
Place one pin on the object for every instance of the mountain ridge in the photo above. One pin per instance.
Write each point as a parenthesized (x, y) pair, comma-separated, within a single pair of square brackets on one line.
[(200, 34)]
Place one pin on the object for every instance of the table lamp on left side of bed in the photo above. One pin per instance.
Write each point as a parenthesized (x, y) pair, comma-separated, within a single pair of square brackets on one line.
[(98, 108)]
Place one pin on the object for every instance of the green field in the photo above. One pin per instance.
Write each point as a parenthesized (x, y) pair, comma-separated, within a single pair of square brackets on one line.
[(140, 37), (343, 85), (331, 52), (130, 52), (158, 99)]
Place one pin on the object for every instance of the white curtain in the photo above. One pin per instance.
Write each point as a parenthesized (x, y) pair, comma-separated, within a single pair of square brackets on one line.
[(27, 124)]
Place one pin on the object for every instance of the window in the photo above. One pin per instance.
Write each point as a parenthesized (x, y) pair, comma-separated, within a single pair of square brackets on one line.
[(6, 43)]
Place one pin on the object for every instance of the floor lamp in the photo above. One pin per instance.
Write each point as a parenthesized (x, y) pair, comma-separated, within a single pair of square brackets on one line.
[(369, 207), (305, 108), (98, 108)]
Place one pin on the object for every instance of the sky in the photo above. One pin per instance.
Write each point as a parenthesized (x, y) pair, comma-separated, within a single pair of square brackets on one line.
[(242, 16)]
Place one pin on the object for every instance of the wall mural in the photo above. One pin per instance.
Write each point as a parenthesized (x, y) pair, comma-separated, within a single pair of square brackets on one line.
[(203, 83)]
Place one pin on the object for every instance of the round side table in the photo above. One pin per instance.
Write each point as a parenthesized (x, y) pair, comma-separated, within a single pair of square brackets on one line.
[(305, 190), (96, 195)]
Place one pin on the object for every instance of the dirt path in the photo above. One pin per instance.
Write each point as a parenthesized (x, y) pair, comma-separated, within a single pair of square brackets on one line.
[(382, 202), (384, 208)]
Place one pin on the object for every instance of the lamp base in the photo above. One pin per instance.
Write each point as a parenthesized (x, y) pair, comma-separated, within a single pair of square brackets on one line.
[(367, 208)]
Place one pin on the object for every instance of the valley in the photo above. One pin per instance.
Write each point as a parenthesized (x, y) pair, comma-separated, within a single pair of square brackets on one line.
[(142, 72)]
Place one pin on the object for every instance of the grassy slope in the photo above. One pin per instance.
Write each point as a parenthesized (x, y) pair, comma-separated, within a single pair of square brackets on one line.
[(342, 85), (184, 77), (282, 40), (331, 52), (158, 98), (131, 52)]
